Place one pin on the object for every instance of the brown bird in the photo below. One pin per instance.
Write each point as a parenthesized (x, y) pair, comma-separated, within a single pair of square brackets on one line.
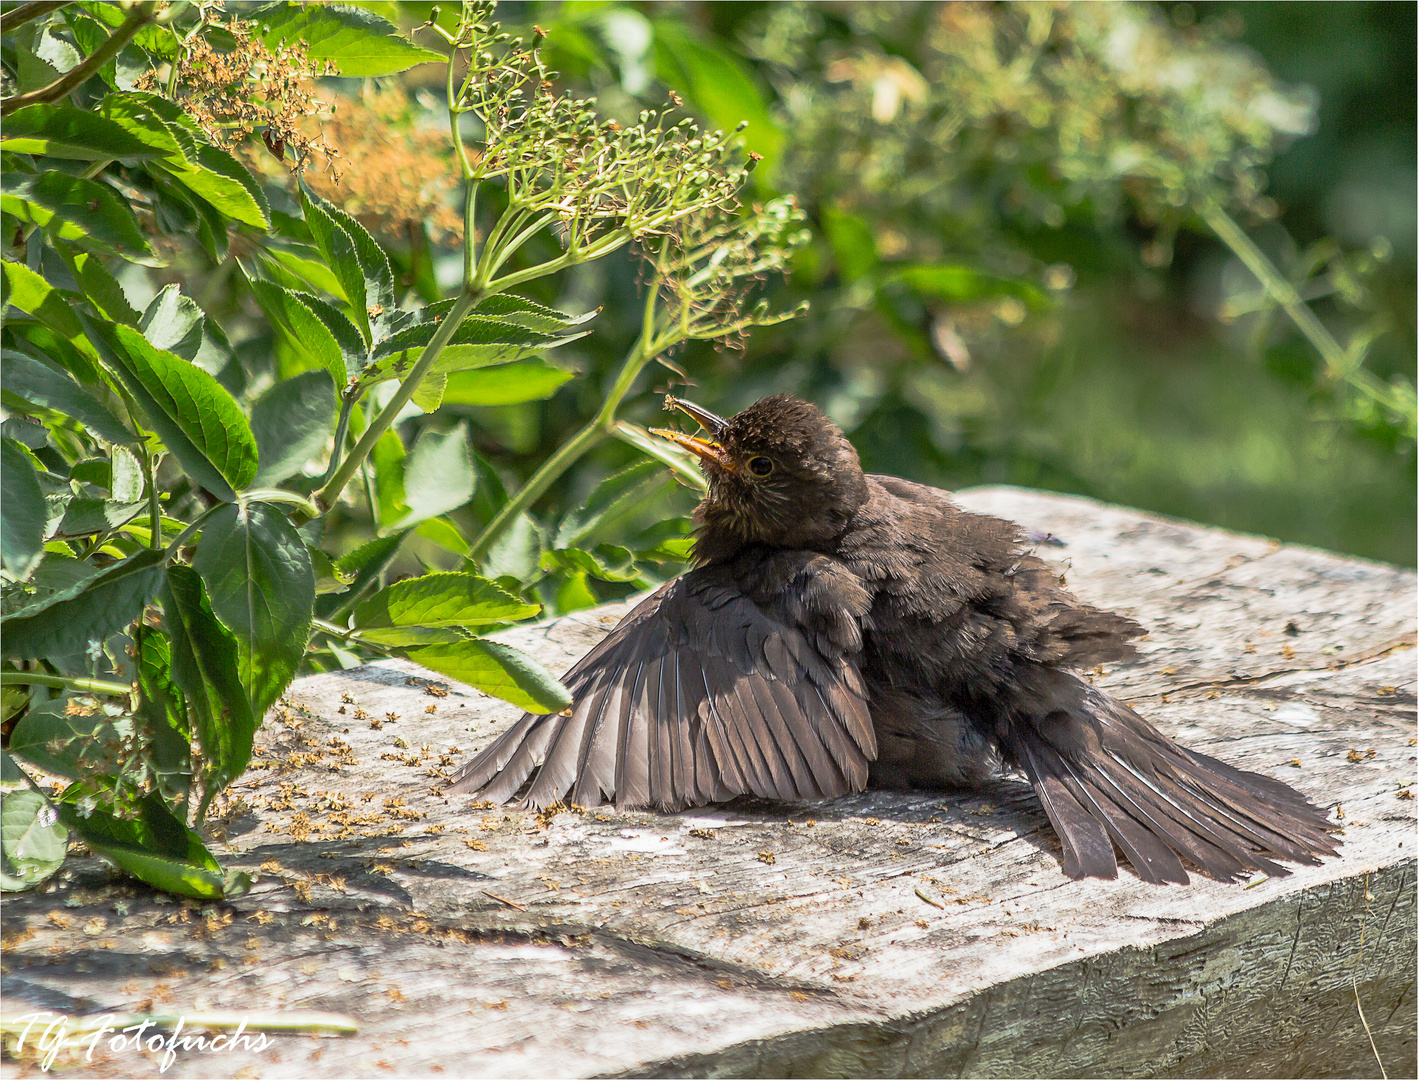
[(843, 630)]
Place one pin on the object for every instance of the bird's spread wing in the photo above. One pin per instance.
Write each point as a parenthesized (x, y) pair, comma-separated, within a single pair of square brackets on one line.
[(698, 695)]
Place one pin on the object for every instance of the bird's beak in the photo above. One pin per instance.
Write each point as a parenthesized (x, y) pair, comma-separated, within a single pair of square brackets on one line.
[(706, 449)]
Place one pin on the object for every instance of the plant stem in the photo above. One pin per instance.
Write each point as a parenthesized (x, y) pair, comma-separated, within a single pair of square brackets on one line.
[(1339, 364), (342, 433), (646, 348), (64, 682), (154, 506), (138, 16), (279, 495), (18, 16)]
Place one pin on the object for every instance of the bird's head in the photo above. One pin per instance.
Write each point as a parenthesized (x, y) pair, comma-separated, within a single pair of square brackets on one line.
[(780, 473)]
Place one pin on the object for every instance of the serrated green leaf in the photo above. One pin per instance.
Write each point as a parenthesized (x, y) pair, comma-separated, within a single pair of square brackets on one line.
[(72, 208), (101, 288), (84, 516), (510, 308), (31, 381), (366, 563), (108, 602), (355, 258), (262, 586), (63, 131), (205, 668), (478, 342), (505, 384), (302, 329), (292, 422), (198, 421), (438, 476), (22, 525), (496, 669), (360, 43), (608, 562), (136, 114), (296, 266), (156, 848), (173, 322), (442, 599), (33, 842)]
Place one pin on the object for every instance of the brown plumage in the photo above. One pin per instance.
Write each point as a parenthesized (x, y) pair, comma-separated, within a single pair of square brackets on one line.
[(844, 631)]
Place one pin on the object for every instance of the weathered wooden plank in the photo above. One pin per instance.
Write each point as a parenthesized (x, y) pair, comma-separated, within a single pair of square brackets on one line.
[(879, 934)]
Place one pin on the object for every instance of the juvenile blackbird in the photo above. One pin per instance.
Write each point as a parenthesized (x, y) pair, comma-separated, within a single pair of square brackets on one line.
[(842, 631)]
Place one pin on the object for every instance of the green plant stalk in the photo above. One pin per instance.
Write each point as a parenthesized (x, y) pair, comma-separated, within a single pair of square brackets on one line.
[(1338, 363), (154, 505), (138, 16), (65, 682), (647, 346), (18, 16), (327, 495)]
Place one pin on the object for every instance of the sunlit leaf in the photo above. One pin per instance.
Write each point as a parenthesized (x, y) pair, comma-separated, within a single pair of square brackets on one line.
[(496, 669)]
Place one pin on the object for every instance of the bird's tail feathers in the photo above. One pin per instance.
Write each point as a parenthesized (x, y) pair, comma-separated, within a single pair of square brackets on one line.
[(1107, 777)]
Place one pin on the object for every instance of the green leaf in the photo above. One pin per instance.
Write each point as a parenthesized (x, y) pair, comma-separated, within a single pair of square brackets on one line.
[(262, 586), (33, 842), (360, 43), (63, 131), (72, 208), (575, 594), (108, 602), (442, 599), (164, 713), (478, 342), (292, 422), (496, 669), (174, 322), (205, 669), (365, 563), (506, 384), (31, 293), (101, 288), (510, 308), (139, 116), (84, 516), (963, 284), (853, 243), (197, 420), (328, 580), (720, 88), (58, 578), (298, 267), (22, 525), (608, 562), (75, 743), (611, 500), (354, 256), (157, 848), (303, 330), (438, 476)]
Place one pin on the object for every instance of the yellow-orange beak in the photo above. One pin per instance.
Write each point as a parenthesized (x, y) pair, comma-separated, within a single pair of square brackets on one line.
[(706, 449)]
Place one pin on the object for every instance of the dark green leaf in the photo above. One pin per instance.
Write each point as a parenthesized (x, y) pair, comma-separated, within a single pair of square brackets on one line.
[(506, 384), (205, 669), (22, 525), (478, 342), (198, 421), (63, 131), (510, 308), (360, 43), (72, 208), (612, 498), (57, 578), (84, 516), (292, 422), (496, 669), (33, 843), (137, 115), (164, 713), (608, 562), (443, 599), (109, 601), (261, 585), (156, 848)]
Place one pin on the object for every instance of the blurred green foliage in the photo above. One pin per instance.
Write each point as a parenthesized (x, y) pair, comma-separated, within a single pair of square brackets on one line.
[(1010, 281)]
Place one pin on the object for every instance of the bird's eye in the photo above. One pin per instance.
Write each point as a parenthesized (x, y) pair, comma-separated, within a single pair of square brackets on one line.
[(760, 466)]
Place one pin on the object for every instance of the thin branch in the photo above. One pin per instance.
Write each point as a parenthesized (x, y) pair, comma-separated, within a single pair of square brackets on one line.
[(138, 16), (64, 682), (17, 17)]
